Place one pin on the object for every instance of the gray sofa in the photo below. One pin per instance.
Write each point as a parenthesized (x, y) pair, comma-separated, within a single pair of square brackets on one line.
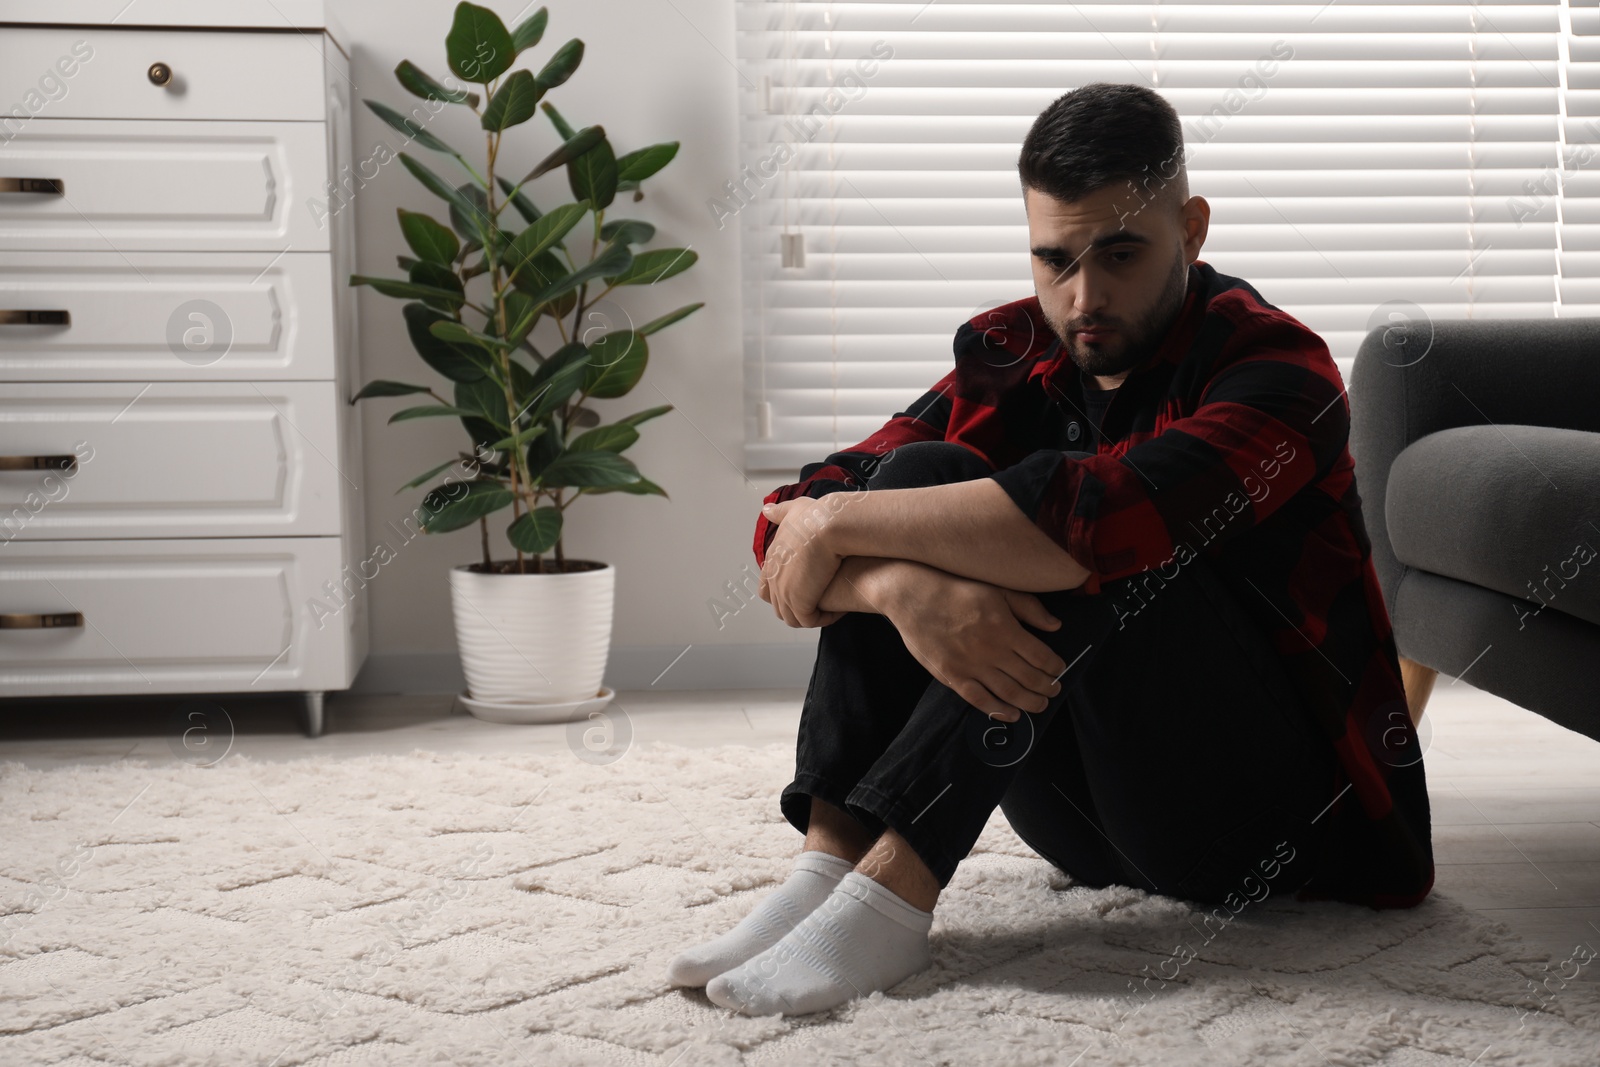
[(1477, 453)]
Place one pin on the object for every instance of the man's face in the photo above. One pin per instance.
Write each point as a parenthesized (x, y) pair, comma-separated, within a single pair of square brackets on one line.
[(1114, 262)]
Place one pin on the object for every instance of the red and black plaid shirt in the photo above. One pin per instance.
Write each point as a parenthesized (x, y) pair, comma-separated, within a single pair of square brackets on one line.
[(1229, 442)]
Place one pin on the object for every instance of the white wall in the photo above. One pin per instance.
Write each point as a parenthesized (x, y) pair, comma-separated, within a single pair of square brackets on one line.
[(652, 71)]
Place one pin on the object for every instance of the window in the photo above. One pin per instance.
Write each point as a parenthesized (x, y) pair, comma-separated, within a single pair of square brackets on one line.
[(1444, 155)]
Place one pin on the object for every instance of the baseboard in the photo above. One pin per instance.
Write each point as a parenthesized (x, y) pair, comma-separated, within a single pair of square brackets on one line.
[(748, 666)]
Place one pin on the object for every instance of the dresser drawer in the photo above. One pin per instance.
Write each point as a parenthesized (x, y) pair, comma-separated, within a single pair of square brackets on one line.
[(102, 186), (171, 459), (90, 72), (164, 316), (232, 614)]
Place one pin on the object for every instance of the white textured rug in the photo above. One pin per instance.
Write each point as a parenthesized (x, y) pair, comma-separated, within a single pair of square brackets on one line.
[(431, 909)]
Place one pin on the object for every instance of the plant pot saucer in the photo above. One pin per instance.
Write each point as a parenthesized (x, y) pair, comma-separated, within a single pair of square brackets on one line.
[(521, 713)]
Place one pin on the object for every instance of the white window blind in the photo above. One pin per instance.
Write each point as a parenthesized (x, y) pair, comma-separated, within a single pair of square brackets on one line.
[(1445, 154)]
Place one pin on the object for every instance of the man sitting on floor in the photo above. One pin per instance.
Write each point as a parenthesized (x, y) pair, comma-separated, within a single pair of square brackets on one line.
[(1113, 579)]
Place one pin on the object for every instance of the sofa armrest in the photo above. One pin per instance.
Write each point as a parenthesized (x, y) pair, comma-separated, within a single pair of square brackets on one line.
[(1413, 379)]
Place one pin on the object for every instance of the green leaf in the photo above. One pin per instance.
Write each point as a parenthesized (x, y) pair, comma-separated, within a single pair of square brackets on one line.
[(575, 146), (529, 32), (469, 214), (486, 399), (544, 449), (561, 65), (521, 314), (385, 387), (421, 84), (540, 277), (537, 531), (653, 266), (605, 263), (558, 390), (520, 438), (521, 382), (612, 438), (571, 352), (585, 417), (593, 175), (474, 398), (555, 381), (479, 46), (431, 240), (456, 506), (519, 200), (589, 468), (637, 166), (542, 235), (438, 187), (668, 319), (419, 479), (638, 488), (410, 128), (450, 330), (456, 362), (648, 413), (406, 290), (439, 276), (561, 124), (616, 362), (516, 102), (407, 262), (627, 231), (427, 411)]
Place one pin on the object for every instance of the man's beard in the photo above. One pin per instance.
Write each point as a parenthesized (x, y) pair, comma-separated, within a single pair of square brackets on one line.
[(1137, 343)]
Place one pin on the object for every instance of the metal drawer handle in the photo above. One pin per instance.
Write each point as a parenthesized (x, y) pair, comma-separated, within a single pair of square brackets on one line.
[(22, 317), (47, 186), (38, 463), (40, 622), (160, 74)]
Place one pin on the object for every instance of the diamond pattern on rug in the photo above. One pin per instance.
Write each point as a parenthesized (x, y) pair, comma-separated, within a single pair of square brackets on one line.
[(439, 909)]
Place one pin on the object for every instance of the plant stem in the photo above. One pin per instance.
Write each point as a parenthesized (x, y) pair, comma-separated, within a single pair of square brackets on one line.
[(475, 175), (502, 356), (583, 290)]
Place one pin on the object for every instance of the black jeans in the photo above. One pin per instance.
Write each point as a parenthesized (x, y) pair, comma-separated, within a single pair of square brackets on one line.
[(1176, 757)]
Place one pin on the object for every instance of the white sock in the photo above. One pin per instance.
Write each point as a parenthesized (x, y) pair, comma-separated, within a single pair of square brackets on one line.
[(813, 878), (863, 938)]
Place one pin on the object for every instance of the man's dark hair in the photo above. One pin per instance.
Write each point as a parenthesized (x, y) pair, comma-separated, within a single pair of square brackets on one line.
[(1105, 134)]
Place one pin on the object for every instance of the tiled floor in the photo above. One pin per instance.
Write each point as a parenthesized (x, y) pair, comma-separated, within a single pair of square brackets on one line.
[(1516, 799)]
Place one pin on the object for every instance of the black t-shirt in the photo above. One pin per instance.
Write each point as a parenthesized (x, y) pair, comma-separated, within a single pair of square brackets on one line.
[(1077, 434)]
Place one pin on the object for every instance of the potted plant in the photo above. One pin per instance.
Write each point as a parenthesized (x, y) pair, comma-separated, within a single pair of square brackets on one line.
[(508, 316)]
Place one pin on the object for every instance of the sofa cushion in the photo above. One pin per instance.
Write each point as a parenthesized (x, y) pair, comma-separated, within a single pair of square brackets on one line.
[(1515, 509)]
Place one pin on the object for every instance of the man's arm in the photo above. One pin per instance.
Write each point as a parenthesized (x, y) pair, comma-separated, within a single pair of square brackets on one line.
[(1267, 426), (849, 468), (864, 583), (970, 528)]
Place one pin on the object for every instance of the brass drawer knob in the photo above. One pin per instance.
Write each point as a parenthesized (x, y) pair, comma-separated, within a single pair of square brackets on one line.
[(160, 74)]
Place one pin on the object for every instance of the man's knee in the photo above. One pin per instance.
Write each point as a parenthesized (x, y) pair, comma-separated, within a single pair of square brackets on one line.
[(927, 463)]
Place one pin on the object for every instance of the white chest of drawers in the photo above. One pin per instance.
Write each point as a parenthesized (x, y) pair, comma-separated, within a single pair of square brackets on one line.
[(180, 466)]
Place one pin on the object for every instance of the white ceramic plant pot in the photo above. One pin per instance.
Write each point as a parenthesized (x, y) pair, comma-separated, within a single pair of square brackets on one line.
[(533, 639)]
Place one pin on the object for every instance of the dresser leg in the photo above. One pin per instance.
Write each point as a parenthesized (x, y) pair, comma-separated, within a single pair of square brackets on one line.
[(311, 716)]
